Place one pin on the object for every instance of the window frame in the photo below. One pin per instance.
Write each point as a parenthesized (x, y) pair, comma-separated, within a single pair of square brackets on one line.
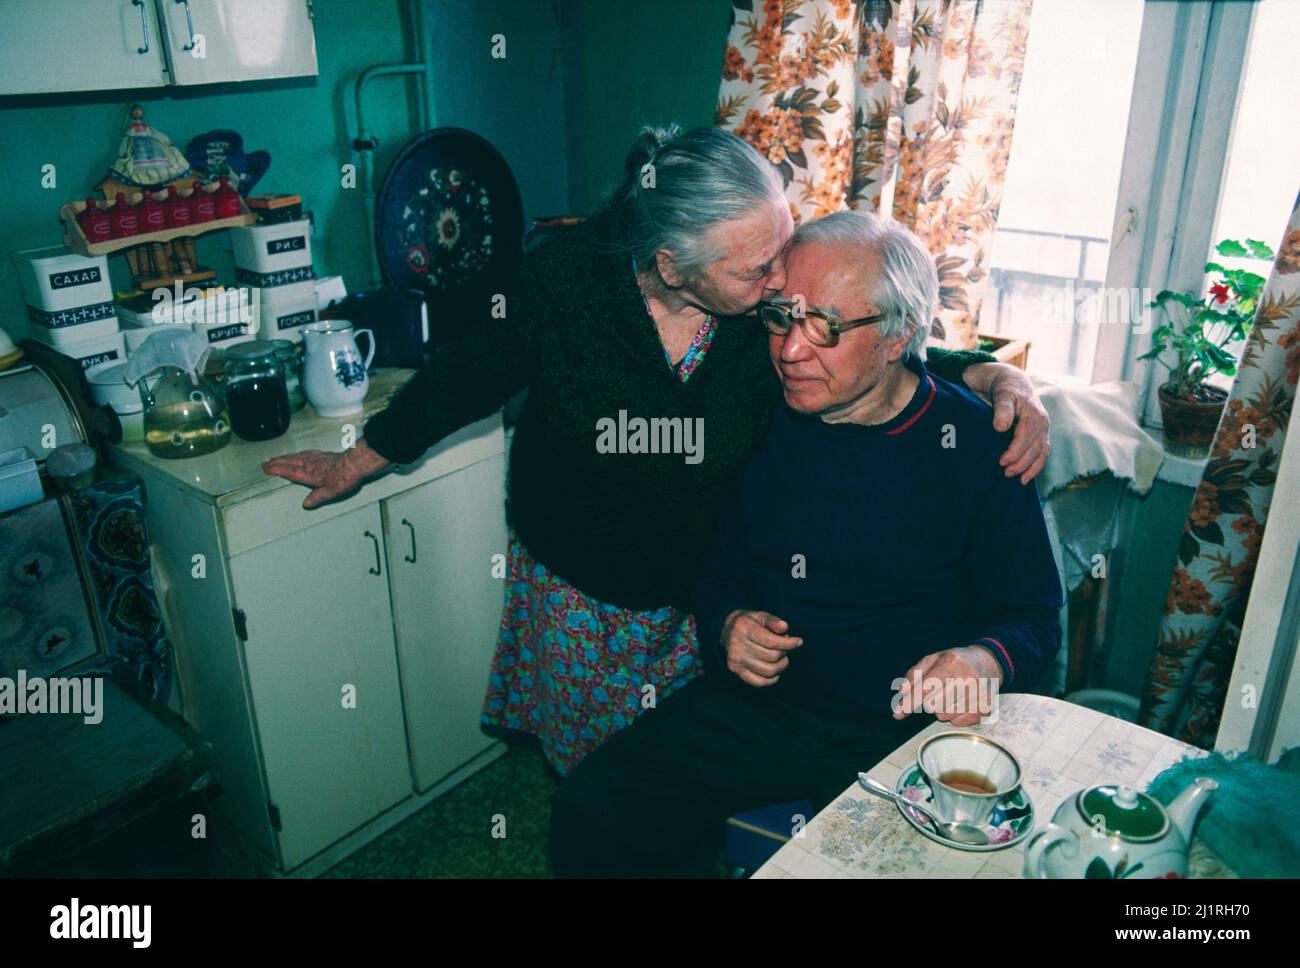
[(1191, 59)]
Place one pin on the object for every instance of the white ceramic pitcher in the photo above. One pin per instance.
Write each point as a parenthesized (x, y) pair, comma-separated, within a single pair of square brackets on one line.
[(333, 374)]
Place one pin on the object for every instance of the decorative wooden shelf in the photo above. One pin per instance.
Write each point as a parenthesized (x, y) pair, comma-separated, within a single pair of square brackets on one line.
[(77, 242)]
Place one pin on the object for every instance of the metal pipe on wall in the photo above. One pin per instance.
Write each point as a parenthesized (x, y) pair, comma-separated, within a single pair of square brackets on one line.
[(364, 142)]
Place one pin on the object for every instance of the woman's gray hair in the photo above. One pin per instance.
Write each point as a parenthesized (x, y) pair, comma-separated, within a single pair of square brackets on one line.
[(701, 178), (908, 290)]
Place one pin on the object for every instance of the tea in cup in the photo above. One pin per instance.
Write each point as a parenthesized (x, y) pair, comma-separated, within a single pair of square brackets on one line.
[(968, 774)]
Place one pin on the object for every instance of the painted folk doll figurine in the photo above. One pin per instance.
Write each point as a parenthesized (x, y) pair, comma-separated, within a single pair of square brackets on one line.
[(148, 161), (147, 157)]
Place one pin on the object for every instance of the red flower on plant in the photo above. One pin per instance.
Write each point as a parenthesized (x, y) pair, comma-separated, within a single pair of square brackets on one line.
[(1220, 292)]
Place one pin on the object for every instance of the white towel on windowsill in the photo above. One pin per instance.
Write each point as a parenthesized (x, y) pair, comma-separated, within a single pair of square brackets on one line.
[(1095, 429)]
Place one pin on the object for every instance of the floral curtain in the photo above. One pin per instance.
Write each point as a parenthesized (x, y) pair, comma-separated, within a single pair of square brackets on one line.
[(906, 103), (1188, 679)]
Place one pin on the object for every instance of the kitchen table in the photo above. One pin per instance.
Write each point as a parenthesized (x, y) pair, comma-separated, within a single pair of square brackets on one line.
[(1062, 749)]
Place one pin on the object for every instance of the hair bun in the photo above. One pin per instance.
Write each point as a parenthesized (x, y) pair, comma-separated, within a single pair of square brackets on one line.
[(645, 147)]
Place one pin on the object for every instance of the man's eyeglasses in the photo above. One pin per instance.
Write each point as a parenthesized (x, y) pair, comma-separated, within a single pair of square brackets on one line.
[(818, 328)]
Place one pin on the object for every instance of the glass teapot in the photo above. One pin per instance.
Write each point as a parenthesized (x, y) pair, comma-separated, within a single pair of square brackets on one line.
[(185, 414)]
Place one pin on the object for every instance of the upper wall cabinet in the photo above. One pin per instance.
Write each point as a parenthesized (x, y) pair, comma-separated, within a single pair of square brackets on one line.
[(57, 45), (237, 40), (69, 45)]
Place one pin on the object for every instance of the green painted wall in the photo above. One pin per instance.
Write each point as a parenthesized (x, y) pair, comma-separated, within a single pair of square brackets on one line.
[(305, 124), (632, 62), (515, 101)]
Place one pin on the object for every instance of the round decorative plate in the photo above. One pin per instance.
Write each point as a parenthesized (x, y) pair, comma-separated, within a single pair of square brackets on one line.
[(448, 214), (1012, 820)]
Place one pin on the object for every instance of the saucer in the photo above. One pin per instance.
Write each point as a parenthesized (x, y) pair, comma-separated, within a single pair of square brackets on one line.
[(1011, 822)]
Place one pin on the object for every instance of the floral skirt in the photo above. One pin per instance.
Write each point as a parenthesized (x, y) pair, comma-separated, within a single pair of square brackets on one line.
[(573, 670)]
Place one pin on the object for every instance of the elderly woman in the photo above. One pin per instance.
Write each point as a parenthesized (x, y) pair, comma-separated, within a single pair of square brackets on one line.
[(639, 315)]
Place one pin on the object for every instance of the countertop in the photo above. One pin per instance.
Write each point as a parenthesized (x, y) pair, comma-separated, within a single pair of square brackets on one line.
[(235, 473)]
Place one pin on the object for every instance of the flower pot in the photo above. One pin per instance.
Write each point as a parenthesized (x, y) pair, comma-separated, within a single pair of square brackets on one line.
[(1005, 350), (1189, 425)]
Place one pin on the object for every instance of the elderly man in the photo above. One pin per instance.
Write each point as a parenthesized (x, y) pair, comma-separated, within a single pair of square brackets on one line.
[(871, 546)]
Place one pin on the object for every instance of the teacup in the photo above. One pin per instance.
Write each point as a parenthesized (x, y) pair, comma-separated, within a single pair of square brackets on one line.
[(968, 774)]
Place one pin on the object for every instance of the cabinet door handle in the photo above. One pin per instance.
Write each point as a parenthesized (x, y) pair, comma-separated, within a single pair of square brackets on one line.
[(189, 23), (144, 27), (374, 570), (412, 555)]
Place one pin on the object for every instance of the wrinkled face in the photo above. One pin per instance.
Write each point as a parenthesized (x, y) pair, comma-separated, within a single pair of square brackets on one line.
[(754, 266), (833, 279)]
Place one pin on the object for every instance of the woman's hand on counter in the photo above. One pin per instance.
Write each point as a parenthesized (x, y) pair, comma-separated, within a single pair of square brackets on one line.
[(329, 474)]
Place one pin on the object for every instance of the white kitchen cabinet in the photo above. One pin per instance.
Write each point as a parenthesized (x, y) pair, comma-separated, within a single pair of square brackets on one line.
[(237, 40), (69, 45), (98, 45), (443, 648), (278, 615), (329, 715)]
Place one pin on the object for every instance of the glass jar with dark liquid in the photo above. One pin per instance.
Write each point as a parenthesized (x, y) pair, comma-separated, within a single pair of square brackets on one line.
[(255, 391)]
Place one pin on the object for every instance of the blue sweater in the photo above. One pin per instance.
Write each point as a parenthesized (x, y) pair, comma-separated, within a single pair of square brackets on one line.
[(908, 547)]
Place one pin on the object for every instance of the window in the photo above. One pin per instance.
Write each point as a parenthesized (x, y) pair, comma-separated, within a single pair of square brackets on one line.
[(1053, 237), (1146, 132), (1261, 178)]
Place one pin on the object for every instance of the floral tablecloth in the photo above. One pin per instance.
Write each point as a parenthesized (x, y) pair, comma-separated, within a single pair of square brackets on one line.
[(1062, 748)]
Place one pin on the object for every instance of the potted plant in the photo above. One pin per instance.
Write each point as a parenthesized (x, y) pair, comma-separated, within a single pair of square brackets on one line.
[(1201, 334)]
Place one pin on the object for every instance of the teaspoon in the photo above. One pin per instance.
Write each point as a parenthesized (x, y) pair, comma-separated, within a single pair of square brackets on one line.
[(962, 833)]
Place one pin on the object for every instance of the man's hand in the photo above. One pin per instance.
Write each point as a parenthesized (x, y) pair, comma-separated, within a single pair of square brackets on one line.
[(967, 666), (756, 645), (1014, 402), (329, 474)]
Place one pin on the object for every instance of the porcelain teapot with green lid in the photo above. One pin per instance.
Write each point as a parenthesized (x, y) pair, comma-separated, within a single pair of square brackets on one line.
[(1116, 831)]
